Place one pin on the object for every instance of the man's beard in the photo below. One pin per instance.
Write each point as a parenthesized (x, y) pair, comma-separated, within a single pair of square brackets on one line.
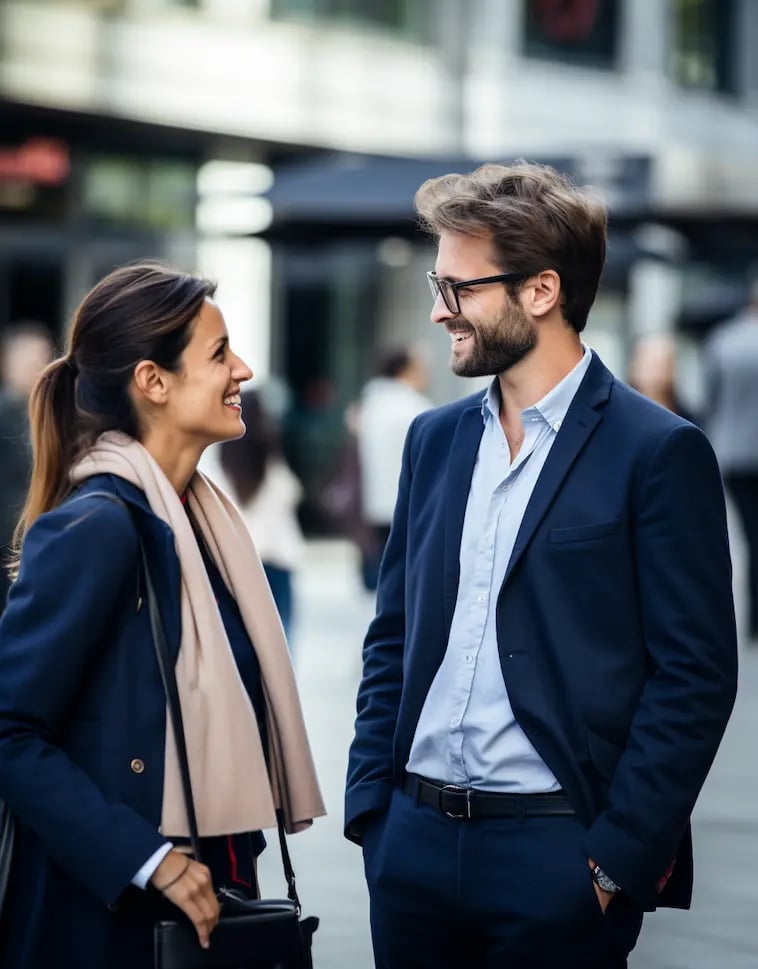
[(496, 348)]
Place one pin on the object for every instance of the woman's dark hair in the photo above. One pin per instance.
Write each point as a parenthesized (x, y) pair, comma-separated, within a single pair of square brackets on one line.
[(244, 460), (142, 311)]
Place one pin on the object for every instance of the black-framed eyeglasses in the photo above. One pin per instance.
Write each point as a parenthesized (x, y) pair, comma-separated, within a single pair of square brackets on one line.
[(449, 290)]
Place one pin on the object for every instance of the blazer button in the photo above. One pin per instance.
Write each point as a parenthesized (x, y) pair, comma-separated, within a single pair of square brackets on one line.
[(137, 766)]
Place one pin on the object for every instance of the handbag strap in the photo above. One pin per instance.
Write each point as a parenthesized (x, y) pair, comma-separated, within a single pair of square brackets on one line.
[(168, 677)]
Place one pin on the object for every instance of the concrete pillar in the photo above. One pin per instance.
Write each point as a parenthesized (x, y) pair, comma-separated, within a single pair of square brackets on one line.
[(644, 37), (745, 44)]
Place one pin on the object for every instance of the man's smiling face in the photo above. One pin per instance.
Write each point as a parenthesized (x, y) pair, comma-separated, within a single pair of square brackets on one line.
[(492, 332)]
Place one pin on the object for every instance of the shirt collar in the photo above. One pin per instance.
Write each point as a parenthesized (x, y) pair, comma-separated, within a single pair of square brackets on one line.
[(553, 406)]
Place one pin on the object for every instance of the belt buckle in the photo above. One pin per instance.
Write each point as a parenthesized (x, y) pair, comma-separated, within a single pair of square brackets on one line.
[(455, 789)]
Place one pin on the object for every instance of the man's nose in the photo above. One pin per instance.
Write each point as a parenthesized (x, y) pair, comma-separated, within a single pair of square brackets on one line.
[(440, 313)]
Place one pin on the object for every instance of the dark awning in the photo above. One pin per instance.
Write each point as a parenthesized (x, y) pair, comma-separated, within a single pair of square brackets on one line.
[(347, 194)]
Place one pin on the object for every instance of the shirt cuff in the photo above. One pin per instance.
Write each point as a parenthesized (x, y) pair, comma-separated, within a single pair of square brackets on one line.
[(146, 872)]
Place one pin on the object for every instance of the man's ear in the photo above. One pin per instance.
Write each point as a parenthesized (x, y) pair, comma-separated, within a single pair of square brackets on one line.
[(151, 382), (544, 294)]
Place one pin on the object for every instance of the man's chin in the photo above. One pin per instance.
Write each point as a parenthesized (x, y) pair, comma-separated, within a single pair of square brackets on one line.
[(463, 368), (470, 367), (475, 366)]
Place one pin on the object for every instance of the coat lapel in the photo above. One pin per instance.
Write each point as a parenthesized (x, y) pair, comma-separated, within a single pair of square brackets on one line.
[(582, 418), (463, 452)]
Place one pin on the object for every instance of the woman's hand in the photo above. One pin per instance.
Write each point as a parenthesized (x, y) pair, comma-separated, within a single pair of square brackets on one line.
[(188, 885)]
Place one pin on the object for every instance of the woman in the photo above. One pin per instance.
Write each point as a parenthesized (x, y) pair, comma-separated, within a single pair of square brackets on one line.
[(86, 760), (268, 494)]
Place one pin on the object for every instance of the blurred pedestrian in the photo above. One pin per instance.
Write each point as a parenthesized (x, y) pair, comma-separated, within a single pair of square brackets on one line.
[(26, 348), (87, 763), (730, 361), (267, 493), (553, 659), (388, 404), (652, 371)]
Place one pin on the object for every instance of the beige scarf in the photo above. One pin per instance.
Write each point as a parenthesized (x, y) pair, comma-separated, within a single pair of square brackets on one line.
[(230, 783)]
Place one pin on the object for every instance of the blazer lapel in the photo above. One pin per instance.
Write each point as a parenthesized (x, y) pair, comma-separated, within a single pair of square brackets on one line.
[(581, 420), (463, 452)]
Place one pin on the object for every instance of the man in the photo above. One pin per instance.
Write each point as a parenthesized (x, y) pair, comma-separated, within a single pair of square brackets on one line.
[(26, 348), (388, 405), (731, 383), (553, 659)]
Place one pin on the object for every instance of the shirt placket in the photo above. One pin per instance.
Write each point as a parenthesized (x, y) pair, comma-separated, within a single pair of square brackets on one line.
[(480, 590), (482, 586)]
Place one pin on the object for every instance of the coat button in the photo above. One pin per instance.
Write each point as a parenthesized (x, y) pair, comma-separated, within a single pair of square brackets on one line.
[(137, 766)]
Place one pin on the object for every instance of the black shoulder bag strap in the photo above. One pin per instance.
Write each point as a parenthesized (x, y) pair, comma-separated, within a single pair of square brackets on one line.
[(168, 676)]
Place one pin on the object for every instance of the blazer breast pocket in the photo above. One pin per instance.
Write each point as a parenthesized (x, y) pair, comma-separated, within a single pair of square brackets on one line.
[(584, 533)]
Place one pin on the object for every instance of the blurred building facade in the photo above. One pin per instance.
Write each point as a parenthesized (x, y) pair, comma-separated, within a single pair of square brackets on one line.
[(155, 127)]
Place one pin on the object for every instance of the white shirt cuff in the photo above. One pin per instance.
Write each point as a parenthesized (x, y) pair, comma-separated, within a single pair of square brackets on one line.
[(147, 871)]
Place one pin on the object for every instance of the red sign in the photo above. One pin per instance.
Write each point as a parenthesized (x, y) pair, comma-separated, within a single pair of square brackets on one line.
[(40, 161), (566, 21)]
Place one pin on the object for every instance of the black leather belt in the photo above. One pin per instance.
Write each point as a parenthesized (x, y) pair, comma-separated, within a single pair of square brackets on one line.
[(464, 803)]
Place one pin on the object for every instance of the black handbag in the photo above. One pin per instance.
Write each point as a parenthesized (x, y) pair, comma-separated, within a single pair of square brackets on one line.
[(251, 933)]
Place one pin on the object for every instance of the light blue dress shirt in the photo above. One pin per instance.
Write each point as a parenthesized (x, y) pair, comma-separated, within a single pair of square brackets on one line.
[(467, 734)]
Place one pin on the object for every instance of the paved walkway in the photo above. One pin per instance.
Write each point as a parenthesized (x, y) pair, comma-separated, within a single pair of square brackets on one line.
[(721, 931)]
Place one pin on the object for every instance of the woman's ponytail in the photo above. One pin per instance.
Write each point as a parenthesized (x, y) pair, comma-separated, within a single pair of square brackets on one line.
[(52, 424)]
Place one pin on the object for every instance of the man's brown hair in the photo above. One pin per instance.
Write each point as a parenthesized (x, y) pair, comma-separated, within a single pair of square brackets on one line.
[(537, 219)]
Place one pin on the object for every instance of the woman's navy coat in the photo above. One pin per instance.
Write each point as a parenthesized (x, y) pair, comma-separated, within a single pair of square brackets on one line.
[(82, 731)]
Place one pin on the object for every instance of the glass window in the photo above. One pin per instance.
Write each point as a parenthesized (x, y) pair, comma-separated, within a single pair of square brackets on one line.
[(702, 54), (151, 193), (142, 6), (581, 32), (160, 5), (410, 18)]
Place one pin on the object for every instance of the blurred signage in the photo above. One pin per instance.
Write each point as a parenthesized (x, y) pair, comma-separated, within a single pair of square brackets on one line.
[(566, 21), (33, 178), (39, 161), (573, 31)]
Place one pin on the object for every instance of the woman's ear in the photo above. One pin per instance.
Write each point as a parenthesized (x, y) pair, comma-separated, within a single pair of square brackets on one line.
[(545, 294), (150, 381)]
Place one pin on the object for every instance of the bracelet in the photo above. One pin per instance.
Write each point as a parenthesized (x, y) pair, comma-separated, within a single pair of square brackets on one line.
[(173, 881)]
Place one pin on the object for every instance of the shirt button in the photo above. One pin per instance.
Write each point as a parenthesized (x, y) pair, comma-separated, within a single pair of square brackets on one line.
[(454, 722), (481, 598), (137, 766), (468, 659), (557, 425)]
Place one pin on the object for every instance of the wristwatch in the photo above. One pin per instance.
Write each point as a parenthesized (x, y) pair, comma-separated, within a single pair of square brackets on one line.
[(604, 881)]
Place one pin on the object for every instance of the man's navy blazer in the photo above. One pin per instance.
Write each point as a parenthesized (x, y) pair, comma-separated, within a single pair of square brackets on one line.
[(615, 622)]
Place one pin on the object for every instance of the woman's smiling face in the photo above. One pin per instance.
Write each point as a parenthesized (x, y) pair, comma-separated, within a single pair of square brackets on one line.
[(203, 402)]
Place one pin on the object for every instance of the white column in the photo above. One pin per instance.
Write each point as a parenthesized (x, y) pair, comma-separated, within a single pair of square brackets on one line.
[(242, 269)]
